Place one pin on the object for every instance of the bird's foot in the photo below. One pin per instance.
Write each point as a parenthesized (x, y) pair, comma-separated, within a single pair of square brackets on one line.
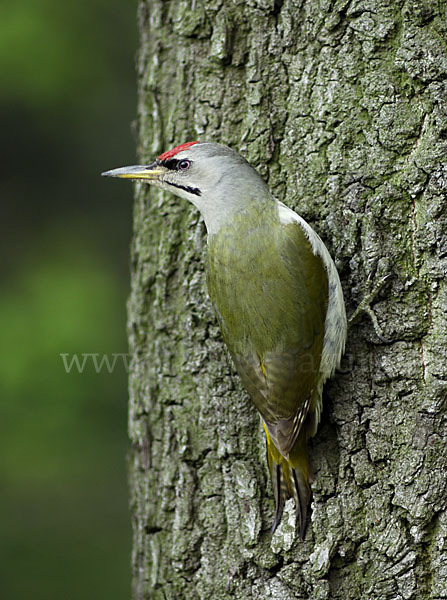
[(365, 307)]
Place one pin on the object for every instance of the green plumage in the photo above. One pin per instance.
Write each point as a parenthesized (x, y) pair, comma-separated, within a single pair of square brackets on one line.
[(270, 294)]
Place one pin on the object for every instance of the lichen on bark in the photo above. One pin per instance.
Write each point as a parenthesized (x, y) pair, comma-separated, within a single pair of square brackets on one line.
[(342, 107)]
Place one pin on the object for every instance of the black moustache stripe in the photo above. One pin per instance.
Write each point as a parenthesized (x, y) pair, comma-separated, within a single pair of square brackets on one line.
[(187, 188)]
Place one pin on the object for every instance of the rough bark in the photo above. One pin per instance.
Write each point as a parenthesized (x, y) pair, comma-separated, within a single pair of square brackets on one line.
[(341, 105)]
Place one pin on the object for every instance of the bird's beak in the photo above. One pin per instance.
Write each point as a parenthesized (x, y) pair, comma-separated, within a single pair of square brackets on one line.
[(152, 172)]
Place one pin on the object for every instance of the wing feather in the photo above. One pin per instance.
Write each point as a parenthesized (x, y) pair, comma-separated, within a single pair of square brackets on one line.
[(271, 302)]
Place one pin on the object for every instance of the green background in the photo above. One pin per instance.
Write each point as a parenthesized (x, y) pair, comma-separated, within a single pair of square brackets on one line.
[(67, 100)]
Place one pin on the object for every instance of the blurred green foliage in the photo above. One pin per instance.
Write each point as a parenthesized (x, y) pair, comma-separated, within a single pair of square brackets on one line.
[(67, 98)]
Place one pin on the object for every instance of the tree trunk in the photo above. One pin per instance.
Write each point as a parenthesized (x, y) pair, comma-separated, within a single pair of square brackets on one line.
[(341, 106)]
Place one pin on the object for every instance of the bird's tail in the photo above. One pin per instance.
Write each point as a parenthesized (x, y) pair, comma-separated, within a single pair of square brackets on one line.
[(290, 479)]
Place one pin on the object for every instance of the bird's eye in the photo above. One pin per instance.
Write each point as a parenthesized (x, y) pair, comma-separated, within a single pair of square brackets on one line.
[(184, 165)]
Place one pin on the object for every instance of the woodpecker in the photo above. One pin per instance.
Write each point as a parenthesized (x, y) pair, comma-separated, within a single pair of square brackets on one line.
[(276, 294)]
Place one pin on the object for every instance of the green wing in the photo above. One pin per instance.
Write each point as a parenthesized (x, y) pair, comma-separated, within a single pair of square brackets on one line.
[(270, 293)]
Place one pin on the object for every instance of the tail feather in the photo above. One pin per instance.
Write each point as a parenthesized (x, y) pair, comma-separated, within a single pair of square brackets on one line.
[(289, 477), (301, 494), (279, 495)]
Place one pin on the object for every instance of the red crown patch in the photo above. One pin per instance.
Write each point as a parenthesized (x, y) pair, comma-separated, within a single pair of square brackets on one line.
[(176, 150)]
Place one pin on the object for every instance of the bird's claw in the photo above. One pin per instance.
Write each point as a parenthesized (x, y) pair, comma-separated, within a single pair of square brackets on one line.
[(365, 307)]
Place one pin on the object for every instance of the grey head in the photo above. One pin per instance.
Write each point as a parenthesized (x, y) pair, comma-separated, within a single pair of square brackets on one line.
[(213, 177)]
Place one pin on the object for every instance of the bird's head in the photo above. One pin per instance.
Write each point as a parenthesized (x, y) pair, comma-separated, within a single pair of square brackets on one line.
[(213, 177)]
